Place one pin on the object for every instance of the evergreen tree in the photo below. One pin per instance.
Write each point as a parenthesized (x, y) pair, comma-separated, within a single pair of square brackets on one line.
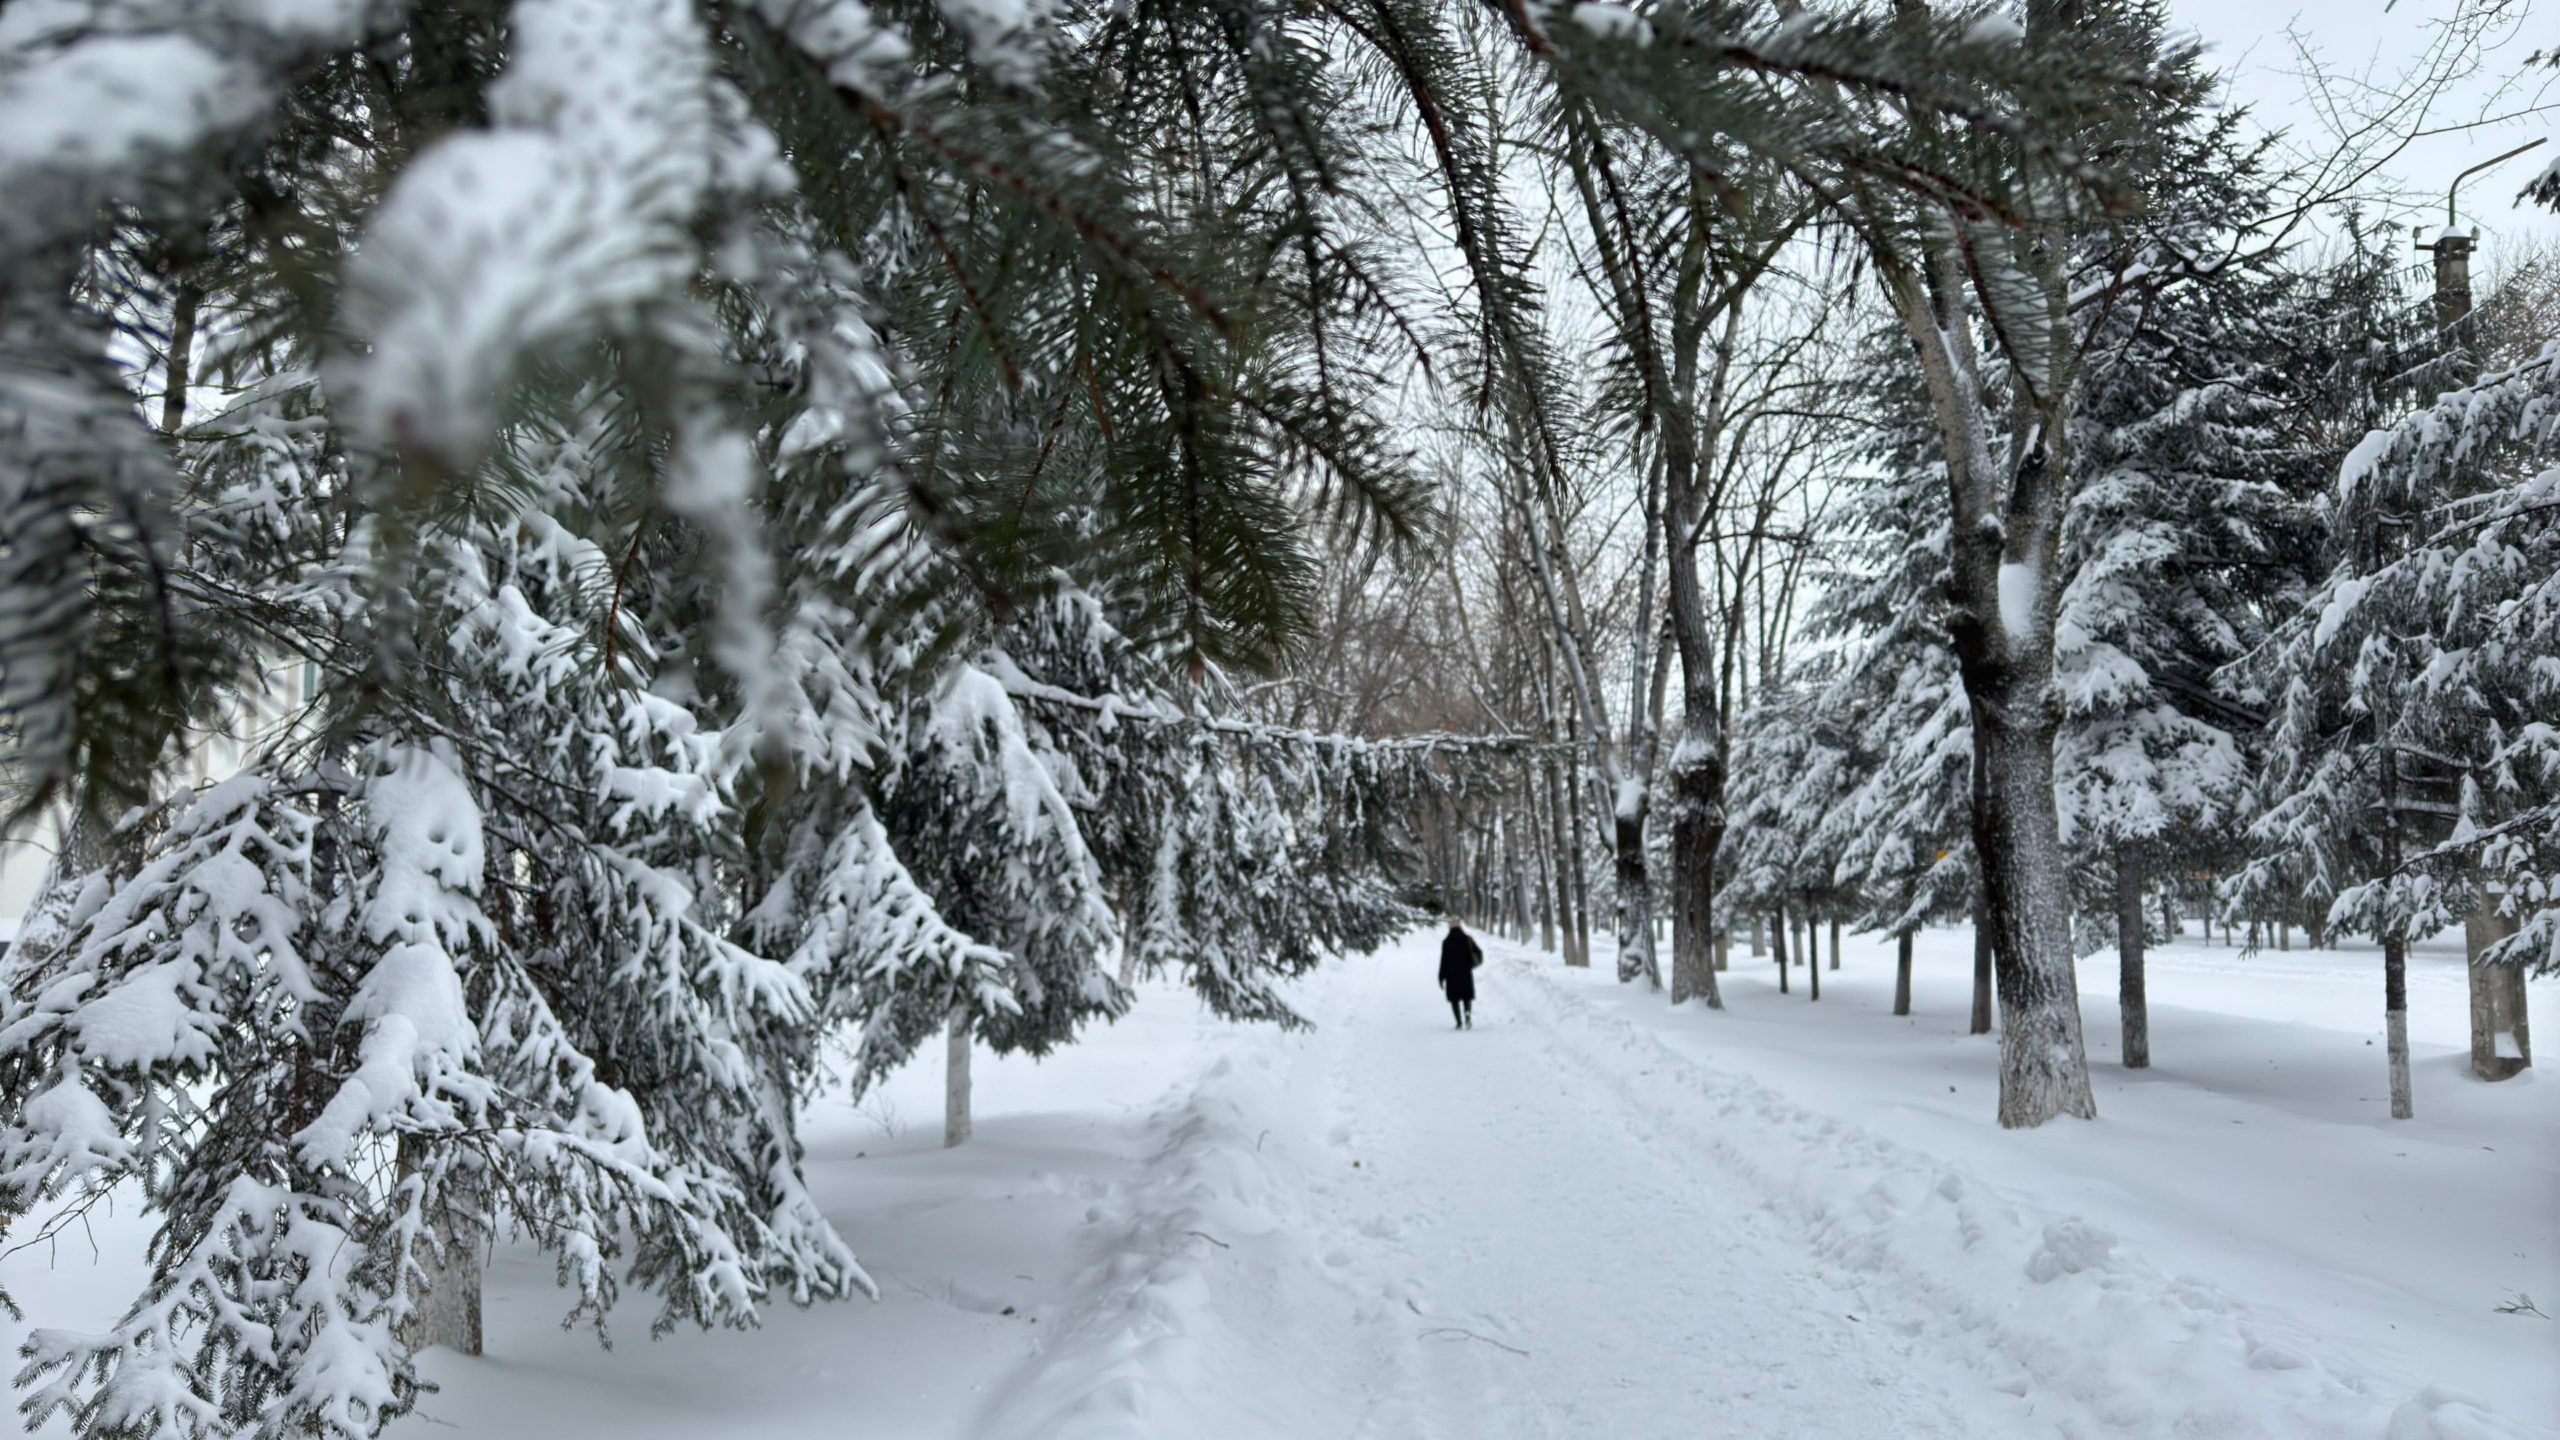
[(2184, 537), (653, 482), (2409, 772)]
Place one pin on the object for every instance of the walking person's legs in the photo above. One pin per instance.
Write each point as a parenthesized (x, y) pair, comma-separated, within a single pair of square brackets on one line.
[(1457, 1012), (1469, 1018)]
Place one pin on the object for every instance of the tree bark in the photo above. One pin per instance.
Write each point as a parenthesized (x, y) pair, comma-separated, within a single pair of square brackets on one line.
[(2044, 1069), (1635, 892), (1983, 944), (1778, 941), (1759, 945), (2130, 996), (2501, 1040), (2395, 940), (2395, 1019), (1812, 959), (1546, 888), (1697, 831), (956, 1125), (1572, 930), (446, 1308), (1902, 973), (1835, 942), (1581, 910), (2005, 585)]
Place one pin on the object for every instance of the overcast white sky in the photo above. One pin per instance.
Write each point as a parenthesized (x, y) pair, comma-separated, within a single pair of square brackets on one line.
[(2357, 38)]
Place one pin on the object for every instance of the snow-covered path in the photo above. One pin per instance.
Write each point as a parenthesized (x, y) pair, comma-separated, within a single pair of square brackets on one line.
[(1562, 1224), (1652, 1290), (1595, 1215)]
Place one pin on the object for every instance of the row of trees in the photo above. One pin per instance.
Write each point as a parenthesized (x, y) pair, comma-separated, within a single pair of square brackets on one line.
[(567, 567), (572, 572), (2073, 567)]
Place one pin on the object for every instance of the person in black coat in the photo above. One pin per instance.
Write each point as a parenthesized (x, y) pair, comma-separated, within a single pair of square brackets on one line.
[(1459, 957)]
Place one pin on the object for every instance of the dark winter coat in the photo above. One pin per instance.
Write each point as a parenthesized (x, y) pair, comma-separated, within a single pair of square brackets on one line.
[(1459, 957)]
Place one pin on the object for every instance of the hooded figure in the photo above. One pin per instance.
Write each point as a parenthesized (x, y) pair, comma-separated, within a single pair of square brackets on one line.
[(1459, 957)]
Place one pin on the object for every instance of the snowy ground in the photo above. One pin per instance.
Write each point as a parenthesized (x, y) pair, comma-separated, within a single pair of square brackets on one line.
[(1596, 1216)]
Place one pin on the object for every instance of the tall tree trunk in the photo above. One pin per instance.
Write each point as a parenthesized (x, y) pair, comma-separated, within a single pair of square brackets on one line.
[(1581, 907), (1724, 948), (2130, 996), (1983, 945), (955, 1077), (1835, 942), (1635, 891), (1573, 905), (1778, 940), (2044, 1069), (1697, 830), (2501, 1037), (1759, 946), (2395, 1019), (1812, 958), (1902, 973), (2004, 576), (449, 1260), (2395, 938), (1538, 846)]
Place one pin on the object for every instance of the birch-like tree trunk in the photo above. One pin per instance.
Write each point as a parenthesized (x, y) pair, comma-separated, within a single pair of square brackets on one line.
[(2395, 1019), (955, 1077)]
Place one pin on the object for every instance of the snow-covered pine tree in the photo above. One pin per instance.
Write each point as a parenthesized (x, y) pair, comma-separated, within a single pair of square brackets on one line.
[(615, 518), (2184, 534), (1960, 283), (1905, 852), (1794, 774), (2410, 768)]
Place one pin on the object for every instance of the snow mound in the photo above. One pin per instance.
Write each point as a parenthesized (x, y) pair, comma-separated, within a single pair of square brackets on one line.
[(1135, 1351)]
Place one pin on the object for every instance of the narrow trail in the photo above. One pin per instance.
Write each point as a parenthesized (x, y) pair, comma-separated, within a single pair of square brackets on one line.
[(1574, 1273)]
